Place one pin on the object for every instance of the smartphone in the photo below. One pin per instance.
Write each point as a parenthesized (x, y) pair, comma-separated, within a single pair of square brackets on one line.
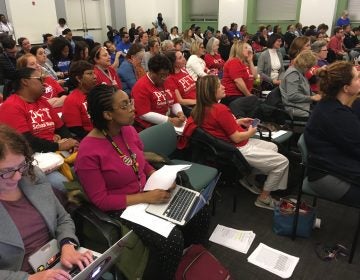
[(255, 122)]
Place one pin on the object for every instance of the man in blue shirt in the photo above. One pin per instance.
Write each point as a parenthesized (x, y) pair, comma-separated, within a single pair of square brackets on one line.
[(124, 45)]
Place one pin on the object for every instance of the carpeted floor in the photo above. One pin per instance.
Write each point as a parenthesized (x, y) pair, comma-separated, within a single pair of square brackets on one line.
[(337, 227)]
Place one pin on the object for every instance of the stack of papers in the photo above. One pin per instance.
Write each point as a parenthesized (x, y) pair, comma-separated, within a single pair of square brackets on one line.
[(273, 260), (238, 240)]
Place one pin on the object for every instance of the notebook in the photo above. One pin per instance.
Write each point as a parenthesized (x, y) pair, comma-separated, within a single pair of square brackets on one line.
[(184, 203), (48, 257)]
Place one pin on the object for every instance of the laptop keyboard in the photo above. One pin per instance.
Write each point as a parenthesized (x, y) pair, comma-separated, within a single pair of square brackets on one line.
[(179, 204), (76, 270)]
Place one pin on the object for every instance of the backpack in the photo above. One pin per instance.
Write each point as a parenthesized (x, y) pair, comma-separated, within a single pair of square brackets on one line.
[(199, 264)]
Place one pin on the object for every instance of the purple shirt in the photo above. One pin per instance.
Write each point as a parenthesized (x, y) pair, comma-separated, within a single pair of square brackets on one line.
[(31, 225), (106, 179)]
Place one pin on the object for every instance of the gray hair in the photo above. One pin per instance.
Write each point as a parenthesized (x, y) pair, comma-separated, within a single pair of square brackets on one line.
[(210, 43), (318, 45)]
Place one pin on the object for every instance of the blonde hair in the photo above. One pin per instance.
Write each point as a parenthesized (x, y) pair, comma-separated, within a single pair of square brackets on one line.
[(305, 60), (23, 60), (237, 50), (195, 47)]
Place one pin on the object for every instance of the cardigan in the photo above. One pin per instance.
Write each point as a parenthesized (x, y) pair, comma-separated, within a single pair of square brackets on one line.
[(264, 66), (59, 222)]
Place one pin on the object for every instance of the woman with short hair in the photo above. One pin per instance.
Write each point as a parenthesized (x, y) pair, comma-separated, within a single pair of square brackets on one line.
[(212, 58), (195, 65)]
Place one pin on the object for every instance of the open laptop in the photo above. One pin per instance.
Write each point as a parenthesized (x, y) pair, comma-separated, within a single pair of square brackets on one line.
[(184, 203), (43, 259)]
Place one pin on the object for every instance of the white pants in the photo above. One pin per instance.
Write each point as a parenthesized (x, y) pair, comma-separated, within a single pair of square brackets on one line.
[(263, 156)]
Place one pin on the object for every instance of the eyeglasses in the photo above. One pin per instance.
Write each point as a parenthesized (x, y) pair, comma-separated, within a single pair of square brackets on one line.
[(126, 105), (324, 50), (22, 168), (40, 79)]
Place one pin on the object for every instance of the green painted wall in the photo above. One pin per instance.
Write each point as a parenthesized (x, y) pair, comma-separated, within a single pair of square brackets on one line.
[(253, 24), (186, 22)]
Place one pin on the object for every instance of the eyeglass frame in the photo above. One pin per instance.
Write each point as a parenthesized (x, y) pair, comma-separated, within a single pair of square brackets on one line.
[(22, 168), (129, 105), (39, 78)]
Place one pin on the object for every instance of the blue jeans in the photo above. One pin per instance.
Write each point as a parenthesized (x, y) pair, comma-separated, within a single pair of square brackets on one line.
[(57, 180)]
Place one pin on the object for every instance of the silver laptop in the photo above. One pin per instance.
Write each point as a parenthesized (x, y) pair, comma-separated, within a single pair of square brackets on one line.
[(184, 203), (46, 256)]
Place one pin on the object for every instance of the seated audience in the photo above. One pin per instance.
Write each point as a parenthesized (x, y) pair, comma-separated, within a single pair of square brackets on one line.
[(104, 73), (67, 35), (351, 42), (53, 92), (25, 46), (343, 19), (295, 89), (75, 114), (34, 117), (332, 136), (155, 104), (320, 50), (42, 60), (195, 65), (131, 70), (212, 58), (167, 45), (174, 33), (47, 41), (187, 41), (178, 44), (270, 65), (31, 215), (224, 47), (60, 27), (336, 44), (8, 61), (216, 119), (124, 45), (289, 36), (112, 170), (298, 45), (81, 51), (239, 72), (154, 48), (180, 82), (61, 56), (114, 54)]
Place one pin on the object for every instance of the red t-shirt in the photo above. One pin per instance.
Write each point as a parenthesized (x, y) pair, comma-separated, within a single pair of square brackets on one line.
[(183, 82), (221, 123), (149, 98), (38, 117), (75, 110), (52, 88), (110, 78), (234, 69), (214, 61), (311, 74)]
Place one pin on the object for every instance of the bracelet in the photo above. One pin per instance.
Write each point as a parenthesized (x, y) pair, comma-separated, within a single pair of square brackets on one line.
[(66, 241)]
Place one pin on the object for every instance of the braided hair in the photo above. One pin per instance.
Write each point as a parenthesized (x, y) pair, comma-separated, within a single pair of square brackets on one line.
[(99, 100)]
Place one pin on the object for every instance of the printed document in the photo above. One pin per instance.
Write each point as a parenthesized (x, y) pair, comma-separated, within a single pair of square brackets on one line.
[(164, 177), (232, 238), (137, 214), (273, 260), (274, 134)]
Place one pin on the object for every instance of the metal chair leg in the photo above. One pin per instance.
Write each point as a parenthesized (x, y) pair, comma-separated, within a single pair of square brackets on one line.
[(353, 246)]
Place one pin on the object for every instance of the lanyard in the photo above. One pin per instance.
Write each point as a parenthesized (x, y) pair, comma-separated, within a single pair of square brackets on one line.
[(127, 160), (113, 81)]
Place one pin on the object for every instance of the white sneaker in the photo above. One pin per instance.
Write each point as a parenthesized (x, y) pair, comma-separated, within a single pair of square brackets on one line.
[(251, 187)]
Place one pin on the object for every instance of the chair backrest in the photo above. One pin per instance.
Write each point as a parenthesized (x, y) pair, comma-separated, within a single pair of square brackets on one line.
[(160, 139), (207, 147), (303, 149)]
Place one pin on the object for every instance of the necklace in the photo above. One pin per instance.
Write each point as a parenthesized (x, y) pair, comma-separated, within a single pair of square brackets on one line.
[(127, 160), (112, 80)]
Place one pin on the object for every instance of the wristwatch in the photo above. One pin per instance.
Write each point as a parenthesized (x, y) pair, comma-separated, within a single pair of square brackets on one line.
[(68, 241)]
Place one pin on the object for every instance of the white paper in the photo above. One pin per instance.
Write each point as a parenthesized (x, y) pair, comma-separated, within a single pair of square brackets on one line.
[(179, 130), (164, 177), (232, 238), (265, 93), (136, 214), (273, 260), (274, 134)]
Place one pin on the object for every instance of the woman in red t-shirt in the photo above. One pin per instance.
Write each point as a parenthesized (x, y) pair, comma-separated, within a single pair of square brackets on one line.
[(213, 59), (104, 73), (216, 119), (239, 72), (75, 114), (180, 82), (53, 92)]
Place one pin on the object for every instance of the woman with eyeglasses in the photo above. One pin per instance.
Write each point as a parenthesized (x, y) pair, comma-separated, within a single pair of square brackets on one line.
[(105, 74), (75, 114), (131, 69), (113, 171), (154, 102), (31, 215), (30, 114), (332, 135), (53, 92)]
